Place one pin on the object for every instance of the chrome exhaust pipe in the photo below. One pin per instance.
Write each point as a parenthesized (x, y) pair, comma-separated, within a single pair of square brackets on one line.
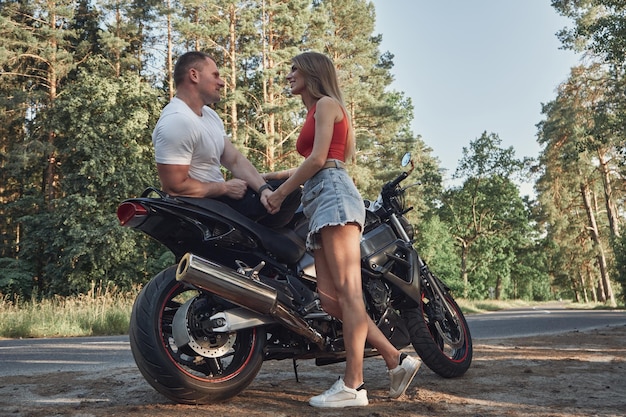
[(243, 291)]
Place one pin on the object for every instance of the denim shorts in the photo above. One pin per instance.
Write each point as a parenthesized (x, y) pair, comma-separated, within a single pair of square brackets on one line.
[(330, 198)]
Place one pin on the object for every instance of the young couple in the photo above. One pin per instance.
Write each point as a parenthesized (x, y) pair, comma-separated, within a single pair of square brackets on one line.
[(191, 145)]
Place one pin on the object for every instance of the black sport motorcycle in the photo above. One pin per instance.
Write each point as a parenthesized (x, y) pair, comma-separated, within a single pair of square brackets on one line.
[(242, 293)]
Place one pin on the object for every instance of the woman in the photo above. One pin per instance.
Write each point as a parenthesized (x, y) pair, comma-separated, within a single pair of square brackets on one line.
[(336, 216)]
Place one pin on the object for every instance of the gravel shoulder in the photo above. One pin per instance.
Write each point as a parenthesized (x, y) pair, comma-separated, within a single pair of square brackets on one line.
[(573, 374)]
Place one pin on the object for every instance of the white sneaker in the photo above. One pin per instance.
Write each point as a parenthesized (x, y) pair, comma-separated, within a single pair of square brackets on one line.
[(402, 375), (339, 396)]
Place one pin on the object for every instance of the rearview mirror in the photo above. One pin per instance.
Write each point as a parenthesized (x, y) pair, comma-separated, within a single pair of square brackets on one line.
[(406, 159)]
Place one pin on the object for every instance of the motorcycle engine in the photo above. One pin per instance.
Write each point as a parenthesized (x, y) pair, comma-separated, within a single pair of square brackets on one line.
[(378, 293)]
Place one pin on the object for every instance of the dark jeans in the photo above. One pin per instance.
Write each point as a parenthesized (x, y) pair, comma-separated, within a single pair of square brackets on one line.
[(251, 207)]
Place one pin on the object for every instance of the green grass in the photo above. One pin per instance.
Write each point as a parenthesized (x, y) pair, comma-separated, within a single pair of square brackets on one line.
[(106, 311), (483, 306), (102, 311)]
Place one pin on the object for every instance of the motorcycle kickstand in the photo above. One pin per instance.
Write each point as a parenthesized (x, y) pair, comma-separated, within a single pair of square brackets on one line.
[(295, 369)]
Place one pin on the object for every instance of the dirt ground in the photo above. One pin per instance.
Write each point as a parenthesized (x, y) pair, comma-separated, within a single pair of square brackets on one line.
[(572, 374)]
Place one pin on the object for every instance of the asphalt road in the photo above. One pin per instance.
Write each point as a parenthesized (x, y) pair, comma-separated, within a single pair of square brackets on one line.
[(539, 321), (94, 354), (42, 356)]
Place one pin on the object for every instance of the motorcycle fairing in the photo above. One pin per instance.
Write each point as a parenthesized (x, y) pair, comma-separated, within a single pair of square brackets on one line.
[(184, 223)]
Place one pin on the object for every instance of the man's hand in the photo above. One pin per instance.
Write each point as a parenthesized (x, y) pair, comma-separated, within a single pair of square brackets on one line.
[(235, 188)]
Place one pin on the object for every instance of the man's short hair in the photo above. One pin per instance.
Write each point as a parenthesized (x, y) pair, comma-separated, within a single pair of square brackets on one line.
[(186, 62)]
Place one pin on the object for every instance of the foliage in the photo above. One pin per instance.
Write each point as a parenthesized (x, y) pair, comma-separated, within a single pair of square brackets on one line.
[(83, 83), (487, 218), (599, 27), (620, 254), (437, 247), (15, 278), (103, 152), (77, 124), (574, 175)]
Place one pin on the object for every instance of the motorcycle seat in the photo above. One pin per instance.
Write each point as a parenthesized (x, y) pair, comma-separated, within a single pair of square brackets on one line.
[(283, 243)]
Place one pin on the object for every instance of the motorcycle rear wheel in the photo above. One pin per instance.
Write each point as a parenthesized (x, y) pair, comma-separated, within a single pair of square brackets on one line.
[(179, 373), (431, 338)]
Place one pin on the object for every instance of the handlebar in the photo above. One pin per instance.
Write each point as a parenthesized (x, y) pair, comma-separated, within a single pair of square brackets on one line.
[(393, 184)]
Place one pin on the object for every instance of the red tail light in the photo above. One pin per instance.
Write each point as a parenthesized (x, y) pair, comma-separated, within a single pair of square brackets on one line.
[(131, 214)]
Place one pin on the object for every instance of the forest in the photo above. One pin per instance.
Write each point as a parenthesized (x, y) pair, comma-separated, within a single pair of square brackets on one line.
[(83, 83)]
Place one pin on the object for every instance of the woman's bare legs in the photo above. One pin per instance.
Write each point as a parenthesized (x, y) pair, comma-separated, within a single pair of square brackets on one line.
[(338, 270)]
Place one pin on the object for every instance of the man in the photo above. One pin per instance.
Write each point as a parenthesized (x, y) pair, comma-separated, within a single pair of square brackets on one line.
[(191, 145)]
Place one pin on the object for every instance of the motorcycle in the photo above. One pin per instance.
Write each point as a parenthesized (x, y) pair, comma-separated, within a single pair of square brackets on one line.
[(242, 293)]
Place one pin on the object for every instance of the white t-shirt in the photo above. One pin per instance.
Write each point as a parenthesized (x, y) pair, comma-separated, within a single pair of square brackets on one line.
[(181, 137)]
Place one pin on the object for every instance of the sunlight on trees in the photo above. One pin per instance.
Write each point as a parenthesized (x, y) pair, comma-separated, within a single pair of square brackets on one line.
[(84, 81)]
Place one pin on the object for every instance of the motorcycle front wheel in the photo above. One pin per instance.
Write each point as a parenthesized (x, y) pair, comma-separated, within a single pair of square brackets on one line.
[(231, 361), (440, 336)]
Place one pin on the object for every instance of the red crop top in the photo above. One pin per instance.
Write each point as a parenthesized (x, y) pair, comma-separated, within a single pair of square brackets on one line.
[(337, 150)]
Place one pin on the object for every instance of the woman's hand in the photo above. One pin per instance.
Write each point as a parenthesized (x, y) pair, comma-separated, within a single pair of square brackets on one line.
[(272, 201)]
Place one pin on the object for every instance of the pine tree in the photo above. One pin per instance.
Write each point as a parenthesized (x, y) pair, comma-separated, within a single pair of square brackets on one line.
[(571, 183)]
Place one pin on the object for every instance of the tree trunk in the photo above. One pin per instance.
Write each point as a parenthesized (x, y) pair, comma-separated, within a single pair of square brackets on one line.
[(232, 56), (611, 210), (580, 284), (51, 176), (590, 285), (498, 291), (118, 33), (595, 236), (169, 64), (583, 285), (269, 97), (577, 286), (464, 277)]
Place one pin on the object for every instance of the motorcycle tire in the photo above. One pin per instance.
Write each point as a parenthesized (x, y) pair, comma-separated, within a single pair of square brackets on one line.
[(442, 358), (182, 375)]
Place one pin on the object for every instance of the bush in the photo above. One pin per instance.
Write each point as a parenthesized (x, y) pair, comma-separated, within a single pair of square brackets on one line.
[(16, 277)]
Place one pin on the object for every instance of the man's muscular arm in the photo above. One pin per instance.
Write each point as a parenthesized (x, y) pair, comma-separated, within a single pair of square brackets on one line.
[(175, 180), (241, 167)]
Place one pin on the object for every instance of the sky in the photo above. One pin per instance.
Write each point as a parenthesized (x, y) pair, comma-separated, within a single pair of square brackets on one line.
[(474, 66)]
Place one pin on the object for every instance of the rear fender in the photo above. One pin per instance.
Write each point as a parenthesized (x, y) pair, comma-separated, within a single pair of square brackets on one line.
[(183, 228)]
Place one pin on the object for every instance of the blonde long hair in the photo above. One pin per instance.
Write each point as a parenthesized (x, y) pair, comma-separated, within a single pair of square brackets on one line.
[(320, 78)]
